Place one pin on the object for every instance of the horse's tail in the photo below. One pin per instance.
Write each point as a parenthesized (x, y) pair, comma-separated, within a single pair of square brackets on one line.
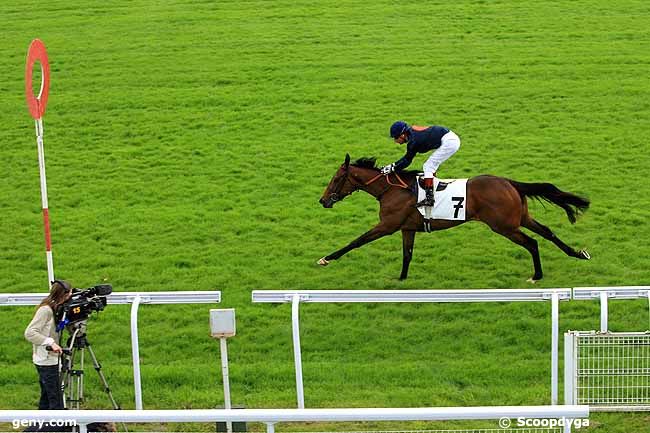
[(572, 204)]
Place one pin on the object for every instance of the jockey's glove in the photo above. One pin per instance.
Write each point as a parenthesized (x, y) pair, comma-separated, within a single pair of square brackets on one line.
[(388, 169)]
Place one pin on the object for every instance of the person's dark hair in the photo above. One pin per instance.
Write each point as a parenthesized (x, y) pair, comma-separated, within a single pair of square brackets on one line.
[(57, 296)]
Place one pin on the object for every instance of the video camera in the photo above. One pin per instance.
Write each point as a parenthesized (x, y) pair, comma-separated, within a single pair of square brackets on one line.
[(82, 303)]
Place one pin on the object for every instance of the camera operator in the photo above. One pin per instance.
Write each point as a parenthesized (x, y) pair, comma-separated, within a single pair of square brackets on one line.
[(41, 332)]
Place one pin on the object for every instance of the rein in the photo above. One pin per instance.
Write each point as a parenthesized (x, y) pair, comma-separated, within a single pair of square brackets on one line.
[(401, 183)]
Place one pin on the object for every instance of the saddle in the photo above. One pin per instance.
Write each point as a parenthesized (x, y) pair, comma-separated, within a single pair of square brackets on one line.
[(420, 181), (450, 199)]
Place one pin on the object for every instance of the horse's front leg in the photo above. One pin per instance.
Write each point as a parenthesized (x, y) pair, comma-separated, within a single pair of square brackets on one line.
[(375, 233), (408, 239)]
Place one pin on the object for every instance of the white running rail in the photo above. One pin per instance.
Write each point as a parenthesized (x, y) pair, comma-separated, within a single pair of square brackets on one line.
[(606, 293), (135, 299), (272, 416), (295, 297)]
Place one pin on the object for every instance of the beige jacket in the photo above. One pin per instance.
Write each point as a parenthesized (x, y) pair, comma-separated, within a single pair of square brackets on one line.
[(41, 332)]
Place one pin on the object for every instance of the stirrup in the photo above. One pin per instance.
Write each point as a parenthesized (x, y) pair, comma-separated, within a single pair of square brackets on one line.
[(425, 202)]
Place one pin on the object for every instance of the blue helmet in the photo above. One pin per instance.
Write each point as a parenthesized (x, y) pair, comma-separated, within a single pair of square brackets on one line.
[(398, 128)]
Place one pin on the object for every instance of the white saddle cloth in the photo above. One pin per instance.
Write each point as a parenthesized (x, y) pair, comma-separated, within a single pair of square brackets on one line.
[(450, 202)]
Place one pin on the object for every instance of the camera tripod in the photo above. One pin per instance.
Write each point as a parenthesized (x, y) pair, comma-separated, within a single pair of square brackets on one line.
[(72, 378)]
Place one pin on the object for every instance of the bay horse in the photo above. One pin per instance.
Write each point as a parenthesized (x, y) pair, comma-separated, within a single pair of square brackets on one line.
[(496, 201)]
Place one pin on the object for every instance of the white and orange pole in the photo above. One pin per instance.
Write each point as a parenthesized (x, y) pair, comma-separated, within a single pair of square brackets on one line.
[(36, 105)]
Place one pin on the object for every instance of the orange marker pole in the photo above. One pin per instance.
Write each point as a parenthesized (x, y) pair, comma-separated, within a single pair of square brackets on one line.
[(36, 105)]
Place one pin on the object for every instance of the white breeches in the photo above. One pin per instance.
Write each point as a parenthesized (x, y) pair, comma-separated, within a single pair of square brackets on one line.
[(450, 145)]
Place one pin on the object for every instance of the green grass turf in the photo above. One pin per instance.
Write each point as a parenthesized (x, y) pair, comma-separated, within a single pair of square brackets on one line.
[(187, 144)]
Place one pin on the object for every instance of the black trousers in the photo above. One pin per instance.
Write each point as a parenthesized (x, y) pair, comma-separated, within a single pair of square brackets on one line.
[(48, 378), (51, 397)]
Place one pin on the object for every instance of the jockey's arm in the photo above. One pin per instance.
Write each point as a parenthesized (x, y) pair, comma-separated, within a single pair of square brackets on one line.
[(404, 161)]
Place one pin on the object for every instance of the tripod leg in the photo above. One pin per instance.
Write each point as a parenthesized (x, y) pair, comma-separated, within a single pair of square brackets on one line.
[(107, 389), (80, 378), (68, 375), (98, 368), (69, 380), (75, 380), (64, 375)]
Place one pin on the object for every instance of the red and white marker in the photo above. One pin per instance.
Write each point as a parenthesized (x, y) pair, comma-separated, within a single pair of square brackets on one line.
[(37, 106)]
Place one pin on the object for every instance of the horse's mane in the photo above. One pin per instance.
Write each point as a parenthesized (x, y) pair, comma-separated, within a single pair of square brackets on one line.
[(366, 162), (371, 163)]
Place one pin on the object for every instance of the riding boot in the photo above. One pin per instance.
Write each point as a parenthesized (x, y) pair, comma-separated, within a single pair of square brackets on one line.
[(428, 189)]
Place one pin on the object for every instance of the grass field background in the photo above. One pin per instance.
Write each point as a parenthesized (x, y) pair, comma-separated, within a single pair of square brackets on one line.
[(187, 145)]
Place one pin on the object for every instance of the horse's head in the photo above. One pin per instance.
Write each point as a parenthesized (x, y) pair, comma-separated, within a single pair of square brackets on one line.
[(340, 185)]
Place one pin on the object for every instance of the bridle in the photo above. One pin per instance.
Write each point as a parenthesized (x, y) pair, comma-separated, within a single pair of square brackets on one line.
[(339, 185), (357, 185)]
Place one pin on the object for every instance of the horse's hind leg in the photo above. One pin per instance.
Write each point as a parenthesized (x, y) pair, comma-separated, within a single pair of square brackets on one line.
[(520, 238), (548, 234)]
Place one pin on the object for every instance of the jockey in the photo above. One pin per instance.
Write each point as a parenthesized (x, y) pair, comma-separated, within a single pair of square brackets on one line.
[(421, 139)]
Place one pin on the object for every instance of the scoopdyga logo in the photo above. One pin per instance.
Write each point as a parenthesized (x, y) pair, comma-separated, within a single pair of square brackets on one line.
[(547, 423)]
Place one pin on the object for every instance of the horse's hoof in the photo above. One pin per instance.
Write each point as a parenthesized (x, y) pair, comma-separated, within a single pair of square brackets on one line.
[(531, 280), (323, 262), (583, 254)]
